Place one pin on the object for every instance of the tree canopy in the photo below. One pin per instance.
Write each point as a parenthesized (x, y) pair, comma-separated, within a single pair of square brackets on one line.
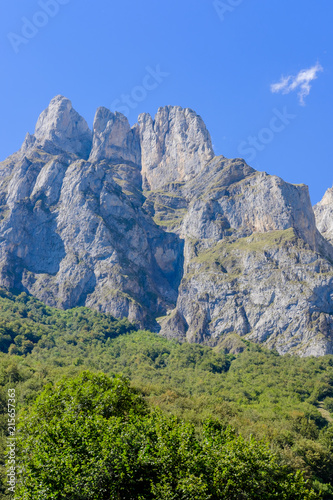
[(94, 438)]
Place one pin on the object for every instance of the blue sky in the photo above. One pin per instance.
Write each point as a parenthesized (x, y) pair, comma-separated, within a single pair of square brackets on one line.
[(218, 58)]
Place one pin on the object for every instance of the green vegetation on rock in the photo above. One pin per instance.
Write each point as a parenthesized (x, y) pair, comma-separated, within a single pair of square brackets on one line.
[(257, 242)]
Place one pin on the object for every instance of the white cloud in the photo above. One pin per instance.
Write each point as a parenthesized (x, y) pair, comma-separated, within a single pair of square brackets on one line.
[(301, 82)]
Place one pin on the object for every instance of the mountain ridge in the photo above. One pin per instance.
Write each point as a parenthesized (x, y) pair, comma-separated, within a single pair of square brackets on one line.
[(145, 222)]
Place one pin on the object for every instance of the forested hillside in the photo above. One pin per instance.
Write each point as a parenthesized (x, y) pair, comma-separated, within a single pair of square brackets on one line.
[(257, 417)]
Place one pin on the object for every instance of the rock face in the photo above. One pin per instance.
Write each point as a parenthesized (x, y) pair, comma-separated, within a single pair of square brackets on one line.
[(324, 215), (254, 263), (73, 232), (145, 222), (114, 139)]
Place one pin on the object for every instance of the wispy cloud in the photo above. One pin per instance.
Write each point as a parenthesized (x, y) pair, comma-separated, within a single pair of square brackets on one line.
[(301, 82)]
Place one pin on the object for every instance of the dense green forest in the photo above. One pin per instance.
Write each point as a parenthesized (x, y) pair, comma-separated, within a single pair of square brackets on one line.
[(193, 423)]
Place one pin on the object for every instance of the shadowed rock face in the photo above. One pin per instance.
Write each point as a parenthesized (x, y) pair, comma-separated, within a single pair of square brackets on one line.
[(145, 222)]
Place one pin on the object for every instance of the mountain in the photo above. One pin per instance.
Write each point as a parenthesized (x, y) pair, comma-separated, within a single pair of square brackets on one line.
[(146, 222)]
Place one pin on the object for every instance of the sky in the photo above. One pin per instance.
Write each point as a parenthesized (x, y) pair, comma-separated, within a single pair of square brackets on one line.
[(259, 72)]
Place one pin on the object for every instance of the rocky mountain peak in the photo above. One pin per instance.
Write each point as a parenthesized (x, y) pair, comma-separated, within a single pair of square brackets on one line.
[(113, 138), (60, 125), (175, 146)]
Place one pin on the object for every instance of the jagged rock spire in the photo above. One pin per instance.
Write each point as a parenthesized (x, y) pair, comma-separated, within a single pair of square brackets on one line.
[(113, 138), (175, 146), (62, 126)]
